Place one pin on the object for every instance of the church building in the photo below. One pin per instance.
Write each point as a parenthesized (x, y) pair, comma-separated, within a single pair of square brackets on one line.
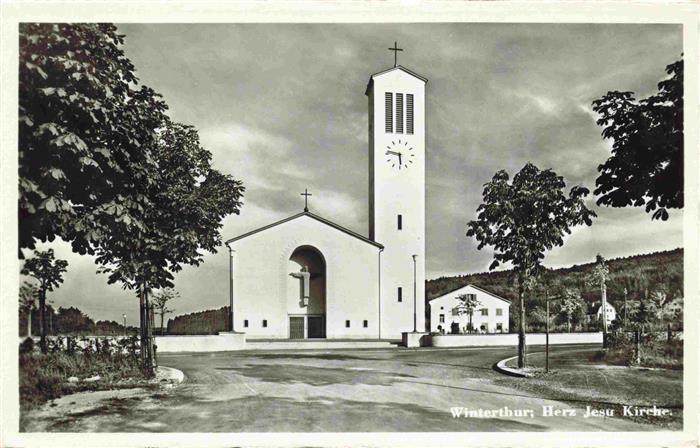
[(307, 276)]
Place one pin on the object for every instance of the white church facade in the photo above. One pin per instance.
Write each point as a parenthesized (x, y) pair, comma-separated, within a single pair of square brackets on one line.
[(307, 277)]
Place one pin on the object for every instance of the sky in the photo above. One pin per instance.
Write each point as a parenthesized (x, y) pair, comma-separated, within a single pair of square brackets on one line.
[(282, 108)]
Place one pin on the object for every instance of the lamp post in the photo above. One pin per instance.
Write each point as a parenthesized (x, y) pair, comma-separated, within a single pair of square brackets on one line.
[(124, 317), (414, 293), (230, 286)]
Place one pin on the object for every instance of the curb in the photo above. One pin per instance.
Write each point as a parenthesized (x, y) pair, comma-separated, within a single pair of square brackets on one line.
[(501, 367), (170, 374)]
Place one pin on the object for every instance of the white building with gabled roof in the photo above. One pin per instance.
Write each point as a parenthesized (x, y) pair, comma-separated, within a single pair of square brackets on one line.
[(490, 315)]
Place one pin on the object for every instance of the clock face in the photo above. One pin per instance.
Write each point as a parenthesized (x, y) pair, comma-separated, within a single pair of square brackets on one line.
[(399, 154)]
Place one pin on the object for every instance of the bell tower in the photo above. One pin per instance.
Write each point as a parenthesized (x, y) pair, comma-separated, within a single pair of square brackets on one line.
[(397, 195)]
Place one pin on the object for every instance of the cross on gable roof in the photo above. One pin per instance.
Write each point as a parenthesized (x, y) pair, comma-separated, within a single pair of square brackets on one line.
[(313, 216)]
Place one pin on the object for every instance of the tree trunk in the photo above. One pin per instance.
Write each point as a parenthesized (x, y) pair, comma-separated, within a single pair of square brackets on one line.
[(42, 321), (142, 326), (471, 325), (521, 327), (604, 304), (162, 315), (149, 335), (568, 323), (29, 323)]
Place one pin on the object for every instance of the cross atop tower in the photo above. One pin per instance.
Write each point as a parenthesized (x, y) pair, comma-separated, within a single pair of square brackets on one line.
[(306, 195), (396, 49)]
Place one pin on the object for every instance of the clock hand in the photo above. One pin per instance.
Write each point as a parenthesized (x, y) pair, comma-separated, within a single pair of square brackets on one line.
[(394, 153), (399, 158)]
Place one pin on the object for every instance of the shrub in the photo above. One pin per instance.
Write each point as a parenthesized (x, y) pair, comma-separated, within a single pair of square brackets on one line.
[(27, 346)]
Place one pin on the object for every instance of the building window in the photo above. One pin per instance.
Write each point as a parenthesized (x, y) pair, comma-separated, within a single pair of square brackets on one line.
[(388, 124), (245, 323), (471, 296), (409, 113), (455, 311), (499, 312), (400, 294), (347, 324), (399, 113), (499, 327), (484, 312), (442, 318), (365, 323), (264, 323), (399, 222)]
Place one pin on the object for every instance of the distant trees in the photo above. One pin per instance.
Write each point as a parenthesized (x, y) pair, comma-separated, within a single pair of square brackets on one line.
[(570, 305), (467, 304), (48, 271), (71, 320), (523, 219), (28, 294), (202, 322), (160, 303), (646, 165)]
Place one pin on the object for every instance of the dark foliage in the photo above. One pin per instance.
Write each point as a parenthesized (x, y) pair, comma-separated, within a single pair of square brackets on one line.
[(202, 322), (646, 166)]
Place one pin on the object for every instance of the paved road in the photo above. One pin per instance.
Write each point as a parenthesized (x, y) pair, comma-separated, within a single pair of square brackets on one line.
[(349, 390)]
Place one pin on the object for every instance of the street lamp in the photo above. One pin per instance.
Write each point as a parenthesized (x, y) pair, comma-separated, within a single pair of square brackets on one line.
[(124, 317), (414, 293), (230, 285)]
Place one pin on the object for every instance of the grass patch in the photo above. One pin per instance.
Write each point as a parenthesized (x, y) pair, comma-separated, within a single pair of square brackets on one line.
[(44, 377), (587, 378)]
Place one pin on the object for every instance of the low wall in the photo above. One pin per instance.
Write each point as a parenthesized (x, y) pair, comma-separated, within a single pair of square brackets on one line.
[(481, 340), (222, 342)]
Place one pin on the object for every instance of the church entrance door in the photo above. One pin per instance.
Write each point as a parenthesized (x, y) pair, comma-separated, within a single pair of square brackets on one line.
[(306, 293), (317, 327), (296, 327)]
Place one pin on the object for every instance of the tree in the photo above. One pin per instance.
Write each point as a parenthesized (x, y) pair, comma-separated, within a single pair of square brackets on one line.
[(467, 304), (85, 135), (570, 305), (49, 272), (646, 165), (188, 201), (103, 167), (28, 293), (160, 303), (598, 276), (523, 219)]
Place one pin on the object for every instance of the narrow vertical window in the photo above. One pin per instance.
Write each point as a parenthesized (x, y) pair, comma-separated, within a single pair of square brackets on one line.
[(399, 222), (409, 113), (399, 113), (388, 112), (264, 323), (365, 323), (245, 323), (347, 324), (400, 294)]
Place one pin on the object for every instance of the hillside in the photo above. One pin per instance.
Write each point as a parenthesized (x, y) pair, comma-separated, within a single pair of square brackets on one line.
[(637, 273)]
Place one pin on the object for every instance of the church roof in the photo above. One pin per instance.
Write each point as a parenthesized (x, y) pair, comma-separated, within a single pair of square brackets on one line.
[(398, 67), (310, 215)]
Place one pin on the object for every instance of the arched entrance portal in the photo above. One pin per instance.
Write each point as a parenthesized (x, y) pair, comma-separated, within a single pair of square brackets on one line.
[(306, 294)]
